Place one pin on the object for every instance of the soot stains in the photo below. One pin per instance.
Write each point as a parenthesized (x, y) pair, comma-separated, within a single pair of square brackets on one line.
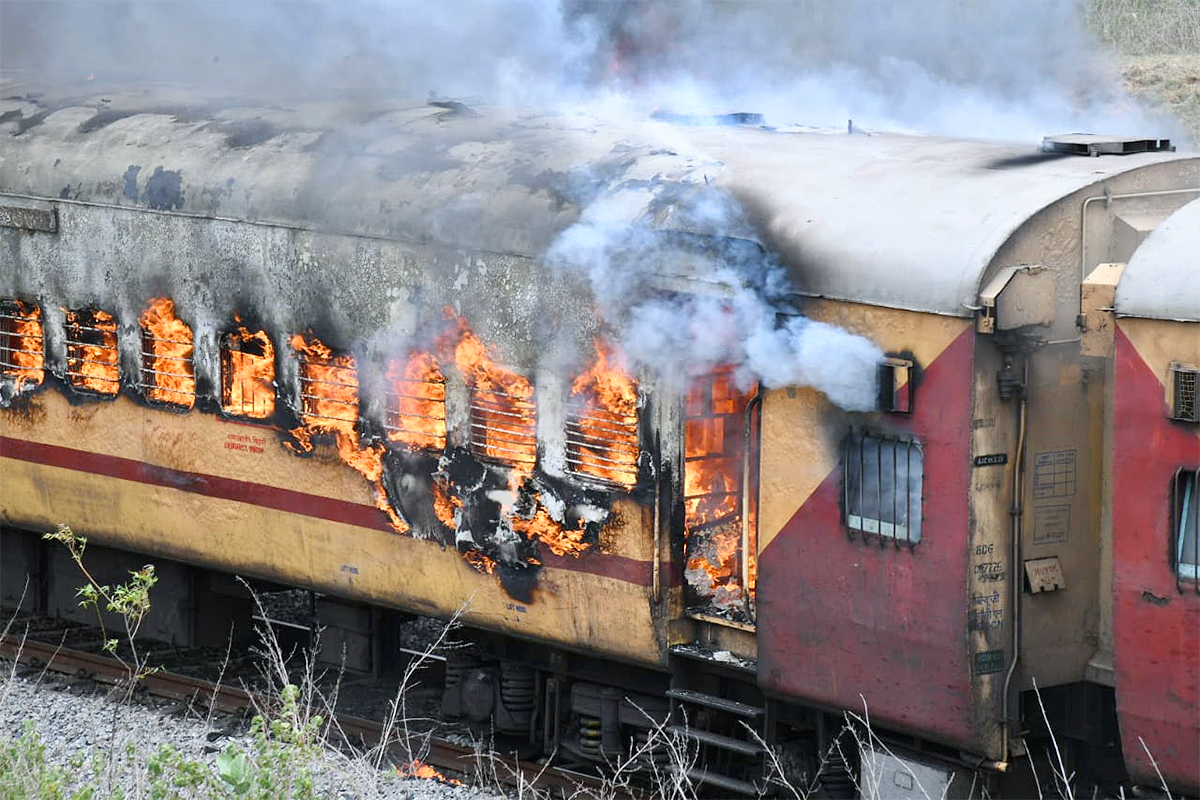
[(243, 133), (164, 190), (131, 175)]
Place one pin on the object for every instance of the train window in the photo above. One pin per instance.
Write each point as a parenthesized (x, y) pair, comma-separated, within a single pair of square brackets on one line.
[(882, 487), (1185, 405), (22, 354), (168, 375), (1185, 522), (93, 361), (416, 402), (602, 423), (328, 385), (247, 373), (895, 385)]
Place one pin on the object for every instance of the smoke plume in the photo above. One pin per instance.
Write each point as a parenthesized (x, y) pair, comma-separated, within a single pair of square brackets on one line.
[(992, 68)]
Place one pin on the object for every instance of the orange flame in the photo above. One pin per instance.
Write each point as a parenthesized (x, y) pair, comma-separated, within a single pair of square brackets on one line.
[(503, 414), (561, 541), (714, 444), (22, 354), (479, 562), (419, 769), (329, 404), (445, 505), (416, 404), (602, 430), (92, 355), (247, 373), (167, 371)]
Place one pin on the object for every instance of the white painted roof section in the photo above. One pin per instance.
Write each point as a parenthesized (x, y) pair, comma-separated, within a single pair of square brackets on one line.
[(1162, 279), (904, 221)]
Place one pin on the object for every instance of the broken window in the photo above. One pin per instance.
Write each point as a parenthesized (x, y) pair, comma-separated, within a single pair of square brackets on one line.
[(247, 373), (602, 424), (1185, 523), (415, 413), (720, 544), (168, 374), (22, 344), (882, 487), (92, 356)]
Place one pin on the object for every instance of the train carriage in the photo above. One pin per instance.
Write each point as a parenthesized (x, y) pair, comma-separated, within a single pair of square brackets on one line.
[(375, 351)]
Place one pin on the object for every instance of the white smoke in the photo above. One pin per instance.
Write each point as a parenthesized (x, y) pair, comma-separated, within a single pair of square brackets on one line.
[(992, 68), (738, 324)]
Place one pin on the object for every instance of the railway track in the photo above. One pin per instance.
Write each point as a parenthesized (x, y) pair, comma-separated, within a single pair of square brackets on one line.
[(442, 754)]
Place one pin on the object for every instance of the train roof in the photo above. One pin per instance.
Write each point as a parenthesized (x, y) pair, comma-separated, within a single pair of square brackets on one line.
[(896, 220), (1162, 278)]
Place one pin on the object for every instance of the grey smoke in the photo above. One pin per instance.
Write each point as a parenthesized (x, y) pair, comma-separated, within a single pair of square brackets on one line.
[(991, 68)]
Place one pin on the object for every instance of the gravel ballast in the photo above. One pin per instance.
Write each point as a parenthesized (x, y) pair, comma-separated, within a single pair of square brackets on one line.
[(76, 720)]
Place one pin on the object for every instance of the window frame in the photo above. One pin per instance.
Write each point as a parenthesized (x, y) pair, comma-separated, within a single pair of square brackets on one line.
[(1185, 506), (854, 443)]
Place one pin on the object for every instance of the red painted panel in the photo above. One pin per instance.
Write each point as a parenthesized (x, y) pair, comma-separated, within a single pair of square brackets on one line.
[(839, 618), (1156, 629)]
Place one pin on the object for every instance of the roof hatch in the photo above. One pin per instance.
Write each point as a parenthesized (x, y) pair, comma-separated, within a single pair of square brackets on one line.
[(1087, 144)]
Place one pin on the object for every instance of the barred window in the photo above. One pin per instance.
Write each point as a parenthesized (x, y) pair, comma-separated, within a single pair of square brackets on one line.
[(168, 375), (416, 402), (1185, 402), (93, 361), (1184, 523), (22, 350), (504, 425), (882, 487)]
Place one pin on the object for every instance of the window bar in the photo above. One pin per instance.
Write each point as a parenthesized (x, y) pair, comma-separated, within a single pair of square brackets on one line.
[(908, 520), (1195, 504), (896, 495), (862, 480), (879, 492)]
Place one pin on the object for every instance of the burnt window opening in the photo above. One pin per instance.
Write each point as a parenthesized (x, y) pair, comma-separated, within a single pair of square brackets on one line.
[(328, 386), (247, 373), (602, 424), (882, 487), (168, 347), (1185, 405), (503, 426), (415, 407), (93, 361), (895, 385), (1185, 525), (720, 538), (22, 344)]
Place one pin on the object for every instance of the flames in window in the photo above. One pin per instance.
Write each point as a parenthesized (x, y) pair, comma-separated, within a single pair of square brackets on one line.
[(720, 546), (92, 356), (167, 371), (416, 402), (503, 417), (247, 373), (602, 423), (329, 405), (22, 350)]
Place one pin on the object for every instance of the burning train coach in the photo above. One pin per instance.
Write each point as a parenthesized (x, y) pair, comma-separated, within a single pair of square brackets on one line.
[(725, 428)]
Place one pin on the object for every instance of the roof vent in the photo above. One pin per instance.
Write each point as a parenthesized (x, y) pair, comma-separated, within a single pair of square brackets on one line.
[(1086, 144)]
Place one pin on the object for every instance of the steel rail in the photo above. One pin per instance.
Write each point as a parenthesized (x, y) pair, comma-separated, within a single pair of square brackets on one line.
[(232, 700)]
